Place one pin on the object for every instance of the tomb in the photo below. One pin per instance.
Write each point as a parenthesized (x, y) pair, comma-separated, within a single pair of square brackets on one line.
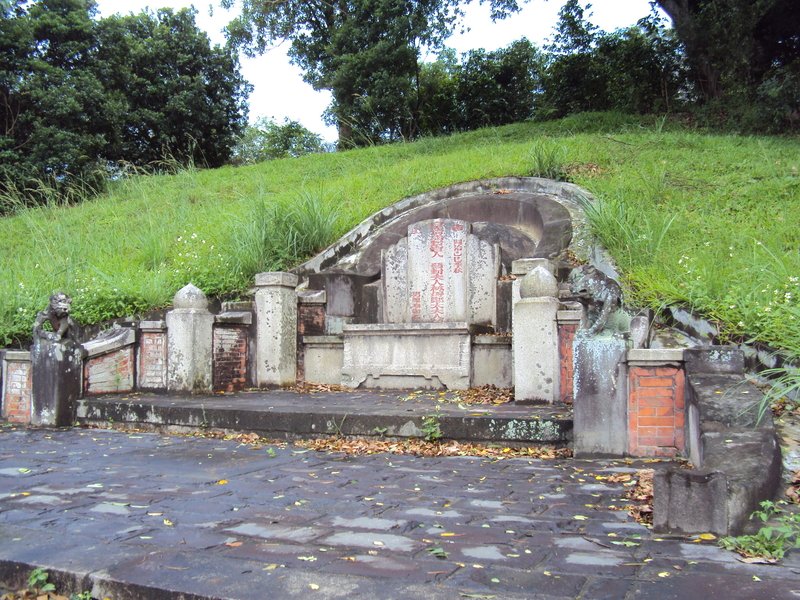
[(421, 294)]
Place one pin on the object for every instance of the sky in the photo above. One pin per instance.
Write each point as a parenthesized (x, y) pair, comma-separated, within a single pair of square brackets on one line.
[(280, 92)]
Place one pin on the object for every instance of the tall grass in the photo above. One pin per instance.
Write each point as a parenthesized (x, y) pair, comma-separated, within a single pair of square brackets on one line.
[(695, 218)]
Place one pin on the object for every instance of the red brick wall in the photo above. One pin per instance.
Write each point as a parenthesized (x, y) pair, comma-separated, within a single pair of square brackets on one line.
[(17, 400), (656, 411), (566, 335), (109, 373), (152, 366), (310, 321), (230, 358)]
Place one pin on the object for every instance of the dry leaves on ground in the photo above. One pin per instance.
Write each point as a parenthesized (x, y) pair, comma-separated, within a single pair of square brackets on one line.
[(361, 446), (640, 490), (793, 491), (316, 388)]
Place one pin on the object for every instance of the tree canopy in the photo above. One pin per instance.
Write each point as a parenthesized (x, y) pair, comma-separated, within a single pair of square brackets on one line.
[(78, 94), (366, 52)]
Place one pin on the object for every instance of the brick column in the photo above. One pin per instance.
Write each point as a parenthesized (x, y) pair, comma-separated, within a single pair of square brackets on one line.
[(16, 381), (656, 402), (151, 366), (310, 321), (231, 350), (569, 321)]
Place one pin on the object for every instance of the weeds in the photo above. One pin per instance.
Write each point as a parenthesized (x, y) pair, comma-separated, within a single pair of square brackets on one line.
[(779, 534), (431, 427), (548, 160)]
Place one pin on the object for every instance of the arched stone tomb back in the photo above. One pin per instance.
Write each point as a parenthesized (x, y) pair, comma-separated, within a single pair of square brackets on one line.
[(420, 287)]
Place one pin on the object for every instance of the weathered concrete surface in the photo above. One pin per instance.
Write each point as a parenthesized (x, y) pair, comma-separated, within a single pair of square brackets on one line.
[(600, 395), (134, 516), (738, 458), (55, 381), (285, 415)]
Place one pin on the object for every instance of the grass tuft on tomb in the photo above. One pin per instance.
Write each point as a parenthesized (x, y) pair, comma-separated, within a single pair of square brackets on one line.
[(691, 217)]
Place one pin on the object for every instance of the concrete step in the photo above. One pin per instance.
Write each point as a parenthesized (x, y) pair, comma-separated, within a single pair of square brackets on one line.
[(284, 414)]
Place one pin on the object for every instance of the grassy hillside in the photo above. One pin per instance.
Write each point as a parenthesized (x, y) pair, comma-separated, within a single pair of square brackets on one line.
[(696, 218)]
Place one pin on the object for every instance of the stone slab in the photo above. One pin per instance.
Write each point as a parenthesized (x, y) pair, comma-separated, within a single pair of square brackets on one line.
[(109, 341), (404, 356), (498, 540), (600, 404)]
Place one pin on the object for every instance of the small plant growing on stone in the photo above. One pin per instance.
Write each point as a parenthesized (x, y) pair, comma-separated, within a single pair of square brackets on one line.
[(431, 428), (779, 534), (37, 582)]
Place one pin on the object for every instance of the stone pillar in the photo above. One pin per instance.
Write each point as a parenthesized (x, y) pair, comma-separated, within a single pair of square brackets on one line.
[(535, 338), (600, 408), (570, 319), (276, 329), (16, 382), (190, 328), (56, 368), (656, 402)]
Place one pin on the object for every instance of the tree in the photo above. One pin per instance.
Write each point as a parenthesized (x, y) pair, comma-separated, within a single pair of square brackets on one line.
[(365, 51), (267, 140), (78, 94), (496, 88), (731, 45), (174, 95), (50, 97)]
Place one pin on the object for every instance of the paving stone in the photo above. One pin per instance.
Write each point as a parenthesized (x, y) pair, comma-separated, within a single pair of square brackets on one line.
[(255, 534)]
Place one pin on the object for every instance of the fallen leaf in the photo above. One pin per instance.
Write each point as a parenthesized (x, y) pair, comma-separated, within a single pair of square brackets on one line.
[(580, 518), (270, 567), (707, 536), (235, 544), (168, 523), (664, 574), (313, 586), (222, 482)]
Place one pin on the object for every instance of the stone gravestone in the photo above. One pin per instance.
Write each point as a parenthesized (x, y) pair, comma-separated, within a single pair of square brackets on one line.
[(56, 364), (440, 273), (435, 283)]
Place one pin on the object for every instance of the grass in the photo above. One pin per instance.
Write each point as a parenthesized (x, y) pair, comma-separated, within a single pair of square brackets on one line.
[(695, 218)]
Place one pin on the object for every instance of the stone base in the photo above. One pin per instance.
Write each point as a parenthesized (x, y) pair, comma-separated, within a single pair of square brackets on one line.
[(409, 355), (322, 359)]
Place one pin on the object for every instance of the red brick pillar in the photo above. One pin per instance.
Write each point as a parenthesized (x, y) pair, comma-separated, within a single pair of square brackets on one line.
[(151, 364), (311, 310), (16, 382), (656, 402), (569, 321), (231, 350)]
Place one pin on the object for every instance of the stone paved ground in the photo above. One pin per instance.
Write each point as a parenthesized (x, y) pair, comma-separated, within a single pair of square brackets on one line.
[(131, 514)]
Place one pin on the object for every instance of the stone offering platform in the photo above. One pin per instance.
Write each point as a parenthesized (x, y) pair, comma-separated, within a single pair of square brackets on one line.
[(283, 414), (134, 516)]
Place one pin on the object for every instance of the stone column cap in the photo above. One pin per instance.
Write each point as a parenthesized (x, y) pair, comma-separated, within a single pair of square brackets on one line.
[(17, 355), (277, 278), (655, 356), (235, 317), (523, 266)]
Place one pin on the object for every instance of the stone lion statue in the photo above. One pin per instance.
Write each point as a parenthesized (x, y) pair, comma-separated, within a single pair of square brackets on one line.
[(588, 283), (57, 314)]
